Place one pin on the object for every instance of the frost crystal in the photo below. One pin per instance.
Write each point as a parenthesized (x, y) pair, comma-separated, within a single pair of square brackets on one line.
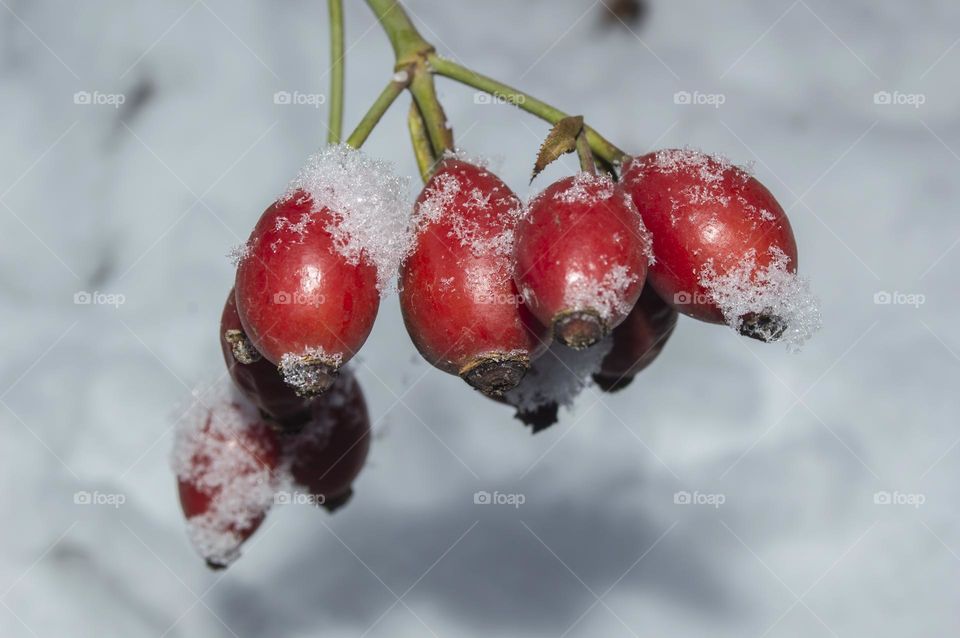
[(297, 372), (215, 453), (558, 377), (771, 290), (607, 296), (468, 213), (710, 168), (368, 205), (238, 253), (587, 189)]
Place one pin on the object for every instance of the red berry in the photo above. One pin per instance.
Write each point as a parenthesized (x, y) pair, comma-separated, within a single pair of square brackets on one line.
[(224, 459), (459, 301), (328, 453), (256, 377), (304, 306), (718, 234), (581, 258), (637, 341)]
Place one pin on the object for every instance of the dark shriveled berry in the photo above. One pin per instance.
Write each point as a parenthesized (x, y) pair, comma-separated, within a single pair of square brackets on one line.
[(327, 454), (637, 341)]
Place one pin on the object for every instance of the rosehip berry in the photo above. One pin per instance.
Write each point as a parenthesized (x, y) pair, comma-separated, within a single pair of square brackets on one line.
[(303, 305), (719, 236), (224, 459), (328, 453), (637, 341), (581, 258), (457, 294), (256, 377)]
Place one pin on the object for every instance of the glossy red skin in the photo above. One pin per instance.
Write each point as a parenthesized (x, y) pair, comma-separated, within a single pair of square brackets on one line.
[(449, 323), (344, 297), (687, 233), (260, 381), (264, 447), (559, 241), (639, 339), (328, 453)]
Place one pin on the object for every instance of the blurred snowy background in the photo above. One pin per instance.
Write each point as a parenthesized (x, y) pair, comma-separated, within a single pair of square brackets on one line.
[(839, 468)]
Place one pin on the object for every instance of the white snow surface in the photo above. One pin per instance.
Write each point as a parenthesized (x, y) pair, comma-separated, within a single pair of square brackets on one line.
[(821, 458)]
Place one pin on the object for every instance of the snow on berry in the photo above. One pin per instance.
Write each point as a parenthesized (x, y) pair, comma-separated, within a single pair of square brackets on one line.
[(471, 214), (608, 296), (725, 249), (224, 459), (751, 290), (368, 202), (586, 189)]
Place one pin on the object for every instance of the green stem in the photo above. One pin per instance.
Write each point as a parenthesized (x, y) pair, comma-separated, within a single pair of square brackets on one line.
[(411, 51), (336, 72), (447, 68), (425, 95), (408, 44), (379, 107), (422, 150)]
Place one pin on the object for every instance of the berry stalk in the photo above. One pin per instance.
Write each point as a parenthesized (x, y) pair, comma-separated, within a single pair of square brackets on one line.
[(601, 146), (411, 52), (396, 86), (421, 143), (587, 163), (335, 128)]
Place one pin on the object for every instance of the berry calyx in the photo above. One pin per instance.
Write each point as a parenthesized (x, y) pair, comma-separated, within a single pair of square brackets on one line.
[(581, 258), (224, 459), (725, 250), (459, 301), (302, 303), (257, 378), (637, 341), (327, 454)]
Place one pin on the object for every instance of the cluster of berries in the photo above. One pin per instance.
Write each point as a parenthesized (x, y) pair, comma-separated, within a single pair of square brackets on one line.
[(256, 440), (593, 267)]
